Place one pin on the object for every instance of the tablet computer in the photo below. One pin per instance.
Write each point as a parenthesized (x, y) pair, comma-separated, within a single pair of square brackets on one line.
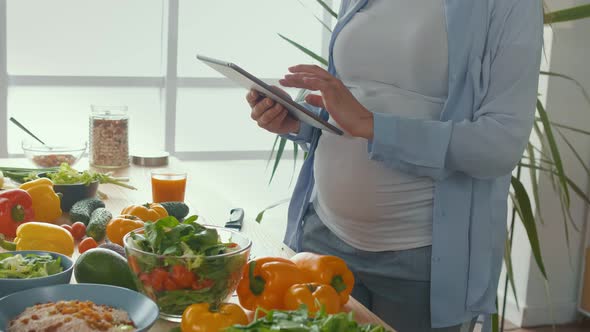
[(249, 81)]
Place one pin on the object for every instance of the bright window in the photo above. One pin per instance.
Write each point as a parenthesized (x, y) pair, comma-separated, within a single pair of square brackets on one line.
[(64, 55)]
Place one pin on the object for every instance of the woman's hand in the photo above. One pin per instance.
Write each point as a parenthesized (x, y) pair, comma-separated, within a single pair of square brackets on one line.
[(270, 115), (335, 98)]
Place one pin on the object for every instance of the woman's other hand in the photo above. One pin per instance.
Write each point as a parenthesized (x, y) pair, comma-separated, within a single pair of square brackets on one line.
[(335, 98), (270, 115)]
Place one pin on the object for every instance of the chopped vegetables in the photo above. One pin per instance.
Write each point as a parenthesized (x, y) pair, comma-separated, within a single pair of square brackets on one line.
[(28, 266)]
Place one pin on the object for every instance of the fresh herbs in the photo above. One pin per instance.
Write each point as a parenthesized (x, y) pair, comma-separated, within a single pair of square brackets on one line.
[(28, 266), (168, 236), (301, 321), (65, 174)]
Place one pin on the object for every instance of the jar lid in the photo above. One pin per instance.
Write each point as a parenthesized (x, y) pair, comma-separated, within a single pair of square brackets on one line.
[(150, 159)]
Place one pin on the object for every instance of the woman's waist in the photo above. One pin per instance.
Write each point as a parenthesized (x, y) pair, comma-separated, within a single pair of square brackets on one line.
[(390, 99)]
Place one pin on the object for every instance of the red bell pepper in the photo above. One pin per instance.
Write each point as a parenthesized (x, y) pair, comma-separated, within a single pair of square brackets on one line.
[(16, 207)]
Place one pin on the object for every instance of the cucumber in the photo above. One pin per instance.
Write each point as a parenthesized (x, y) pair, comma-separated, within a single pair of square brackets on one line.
[(179, 210), (97, 227), (82, 210)]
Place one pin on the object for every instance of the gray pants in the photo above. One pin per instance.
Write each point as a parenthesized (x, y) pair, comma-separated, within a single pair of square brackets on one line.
[(395, 285)]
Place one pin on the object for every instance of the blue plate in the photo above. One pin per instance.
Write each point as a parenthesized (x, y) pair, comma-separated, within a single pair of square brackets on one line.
[(142, 311)]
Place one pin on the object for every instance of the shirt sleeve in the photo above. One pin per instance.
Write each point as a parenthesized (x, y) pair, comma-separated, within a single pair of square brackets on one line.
[(492, 142), (303, 137)]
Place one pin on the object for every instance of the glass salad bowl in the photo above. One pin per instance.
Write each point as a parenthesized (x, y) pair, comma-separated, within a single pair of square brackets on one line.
[(52, 156), (174, 281)]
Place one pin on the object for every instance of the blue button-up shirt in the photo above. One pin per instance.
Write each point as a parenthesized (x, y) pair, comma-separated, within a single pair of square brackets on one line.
[(494, 60)]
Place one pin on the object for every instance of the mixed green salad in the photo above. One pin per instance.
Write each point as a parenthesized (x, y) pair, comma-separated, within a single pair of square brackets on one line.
[(28, 266), (301, 321), (182, 263)]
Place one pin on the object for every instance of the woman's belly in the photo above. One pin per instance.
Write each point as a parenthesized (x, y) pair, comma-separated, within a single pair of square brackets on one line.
[(358, 198)]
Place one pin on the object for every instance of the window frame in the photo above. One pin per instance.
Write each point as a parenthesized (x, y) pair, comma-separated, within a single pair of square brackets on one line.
[(168, 84)]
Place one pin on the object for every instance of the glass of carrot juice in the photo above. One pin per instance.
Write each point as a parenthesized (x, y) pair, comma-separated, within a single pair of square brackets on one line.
[(168, 186)]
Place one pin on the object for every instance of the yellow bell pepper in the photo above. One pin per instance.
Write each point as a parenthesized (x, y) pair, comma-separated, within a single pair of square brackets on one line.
[(200, 318), (41, 236), (46, 203)]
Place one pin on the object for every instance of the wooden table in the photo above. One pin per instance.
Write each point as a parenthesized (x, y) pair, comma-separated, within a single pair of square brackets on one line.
[(211, 194)]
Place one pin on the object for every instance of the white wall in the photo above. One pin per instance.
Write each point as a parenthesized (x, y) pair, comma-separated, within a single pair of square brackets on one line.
[(570, 50)]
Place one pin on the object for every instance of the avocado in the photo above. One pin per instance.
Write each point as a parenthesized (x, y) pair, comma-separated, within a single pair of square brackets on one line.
[(178, 210), (104, 266), (114, 247)]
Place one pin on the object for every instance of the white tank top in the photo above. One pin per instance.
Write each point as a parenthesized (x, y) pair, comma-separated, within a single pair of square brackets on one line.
[(393, 57)]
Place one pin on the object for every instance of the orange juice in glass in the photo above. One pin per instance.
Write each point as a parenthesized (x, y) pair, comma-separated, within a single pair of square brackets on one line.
[(168, 186)]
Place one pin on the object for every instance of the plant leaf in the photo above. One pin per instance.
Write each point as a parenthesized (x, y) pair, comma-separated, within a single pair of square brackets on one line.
[(314, 15), (305, 50), (576, 153), (559, 125), (578, 191), (569, 14), (565, 221), (327, 8), (495, 324), (272, 206), (571, 183), (280, 150), (554, 151), (523, 206), (272, 151), (578, 84), (510, 270), (534, 182)]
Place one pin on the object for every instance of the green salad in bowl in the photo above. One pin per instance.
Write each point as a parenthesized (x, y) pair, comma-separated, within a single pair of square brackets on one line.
[(180, 263)]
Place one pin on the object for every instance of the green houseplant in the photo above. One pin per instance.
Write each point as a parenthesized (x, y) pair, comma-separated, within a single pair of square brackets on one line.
[(542, 157)]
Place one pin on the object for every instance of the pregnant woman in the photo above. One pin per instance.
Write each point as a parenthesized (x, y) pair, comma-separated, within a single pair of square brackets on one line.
[(437, 99)]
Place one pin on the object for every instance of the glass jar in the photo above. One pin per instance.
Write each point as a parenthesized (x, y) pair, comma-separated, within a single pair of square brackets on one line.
[(109, 136)]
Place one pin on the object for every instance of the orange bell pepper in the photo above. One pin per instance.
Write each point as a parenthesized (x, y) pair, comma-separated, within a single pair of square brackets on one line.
[(330, 270), (200, 317), (120, 226), (147, 211), (313, 295), (265, 282)]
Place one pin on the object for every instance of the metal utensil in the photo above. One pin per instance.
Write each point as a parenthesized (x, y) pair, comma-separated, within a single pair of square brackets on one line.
[(26, 130)]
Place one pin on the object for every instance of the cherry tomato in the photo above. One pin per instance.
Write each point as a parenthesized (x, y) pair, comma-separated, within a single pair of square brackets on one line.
[(202, 284), (87, 243), (158, 278), (68, 228), (78, 230), (182, 276), (170, 285)]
